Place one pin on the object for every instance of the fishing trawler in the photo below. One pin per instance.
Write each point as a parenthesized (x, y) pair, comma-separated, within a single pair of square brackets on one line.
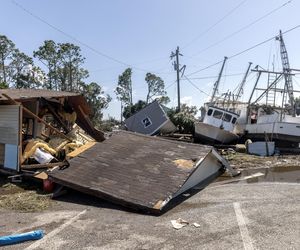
[(218, 125), (275, 119)]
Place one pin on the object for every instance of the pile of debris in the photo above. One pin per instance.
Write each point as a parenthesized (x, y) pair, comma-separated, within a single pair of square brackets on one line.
[(42, 129), (46, 133)]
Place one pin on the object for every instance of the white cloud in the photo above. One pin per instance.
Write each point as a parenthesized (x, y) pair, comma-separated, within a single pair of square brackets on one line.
[(186, 100)]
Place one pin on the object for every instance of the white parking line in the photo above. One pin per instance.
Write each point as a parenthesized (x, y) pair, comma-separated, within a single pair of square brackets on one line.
[(243, 228), (55, 231)]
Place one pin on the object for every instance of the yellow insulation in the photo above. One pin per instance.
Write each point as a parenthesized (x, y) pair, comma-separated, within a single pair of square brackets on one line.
[(32, 145)]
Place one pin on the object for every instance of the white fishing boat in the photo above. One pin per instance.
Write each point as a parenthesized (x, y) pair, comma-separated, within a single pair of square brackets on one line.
[(281, 128), (272, 116), (218, 125)]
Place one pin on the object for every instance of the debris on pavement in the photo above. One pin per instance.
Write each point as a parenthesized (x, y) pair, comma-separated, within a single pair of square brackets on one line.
[(179, 223), (195, 224)]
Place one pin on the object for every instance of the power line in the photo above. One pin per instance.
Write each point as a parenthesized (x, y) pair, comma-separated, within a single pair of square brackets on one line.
[(211, 77), (244, 51), (244, 27), (215, 24), (207, 67), (77, 40), (195, 86), (261, 43)]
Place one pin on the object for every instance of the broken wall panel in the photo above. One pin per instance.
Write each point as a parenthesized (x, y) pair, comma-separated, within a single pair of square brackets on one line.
[(10, 136), (138, 171)]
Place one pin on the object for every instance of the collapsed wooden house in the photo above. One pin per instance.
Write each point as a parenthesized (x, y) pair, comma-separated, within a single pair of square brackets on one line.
[(34, 116)]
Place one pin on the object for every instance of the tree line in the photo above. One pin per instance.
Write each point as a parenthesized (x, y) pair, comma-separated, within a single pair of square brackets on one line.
[(63, 70)]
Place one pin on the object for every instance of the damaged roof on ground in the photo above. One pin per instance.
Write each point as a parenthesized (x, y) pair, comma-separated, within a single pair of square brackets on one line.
[(140, 171)]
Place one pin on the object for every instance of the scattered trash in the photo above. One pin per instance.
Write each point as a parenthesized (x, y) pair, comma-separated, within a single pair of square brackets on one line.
[(18, 238), (179, 223), (195, 224)]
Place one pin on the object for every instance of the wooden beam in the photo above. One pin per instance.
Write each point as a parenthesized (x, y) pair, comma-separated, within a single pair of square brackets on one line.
[(38, 118), (81, 149), (46, 165)]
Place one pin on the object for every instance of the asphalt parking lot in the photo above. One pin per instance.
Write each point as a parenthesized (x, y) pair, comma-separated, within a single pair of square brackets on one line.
[(261, 215)]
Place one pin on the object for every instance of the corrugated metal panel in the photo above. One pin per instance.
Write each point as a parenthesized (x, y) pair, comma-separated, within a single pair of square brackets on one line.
[(133, 169), (9, 124)]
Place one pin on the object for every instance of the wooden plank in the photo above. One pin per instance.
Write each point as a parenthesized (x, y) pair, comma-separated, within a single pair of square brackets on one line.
[(47, 165), (81, 149)]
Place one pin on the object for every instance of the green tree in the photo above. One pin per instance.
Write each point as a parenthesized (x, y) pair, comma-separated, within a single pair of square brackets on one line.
[(156, 87), (109, 124), (63, 62), (97, 100), (49, 56), (19, 69), (124, 88), (33, 77), (184, 120), (7, 47), (3, 85), (132, 109), (70, 72)]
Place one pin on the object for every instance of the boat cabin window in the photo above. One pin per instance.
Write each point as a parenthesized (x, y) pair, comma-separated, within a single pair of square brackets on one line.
[(218, 114), (209, 112), (227, 117), (233, 120)]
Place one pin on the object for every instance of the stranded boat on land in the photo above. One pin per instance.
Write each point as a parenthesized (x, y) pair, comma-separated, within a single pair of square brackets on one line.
[(271, 121), (217, 127)]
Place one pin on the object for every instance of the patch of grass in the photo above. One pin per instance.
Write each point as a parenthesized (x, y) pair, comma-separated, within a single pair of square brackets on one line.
[(27, 201)]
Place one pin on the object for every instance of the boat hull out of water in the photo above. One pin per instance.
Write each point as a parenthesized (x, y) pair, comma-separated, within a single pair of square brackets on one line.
[(217, 127), (210, 134), (281, 132)]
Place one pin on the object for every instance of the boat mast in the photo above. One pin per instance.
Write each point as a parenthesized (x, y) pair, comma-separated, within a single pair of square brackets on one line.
[(242, 84), (288, 87), (216, 85)]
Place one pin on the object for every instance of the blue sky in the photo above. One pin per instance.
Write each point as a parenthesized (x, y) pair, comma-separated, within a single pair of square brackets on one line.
[(142, 34)]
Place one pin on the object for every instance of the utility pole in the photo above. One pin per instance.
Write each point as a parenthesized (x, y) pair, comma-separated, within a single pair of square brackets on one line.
[(178, 70)]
